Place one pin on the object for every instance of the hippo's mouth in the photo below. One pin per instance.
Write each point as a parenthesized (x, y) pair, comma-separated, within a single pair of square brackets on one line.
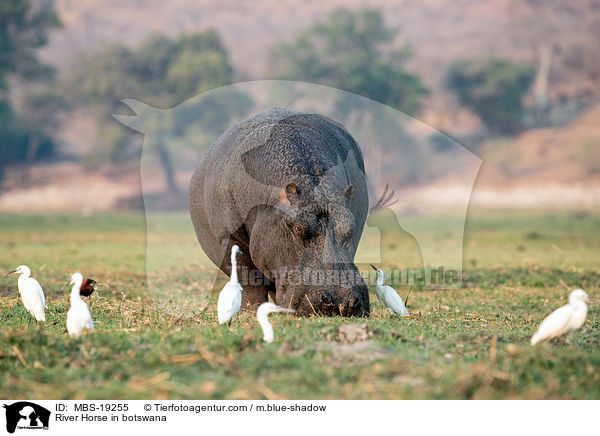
[(323, 303)]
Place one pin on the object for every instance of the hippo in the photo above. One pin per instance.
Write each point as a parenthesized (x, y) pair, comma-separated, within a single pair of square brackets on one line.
[(289, 188)]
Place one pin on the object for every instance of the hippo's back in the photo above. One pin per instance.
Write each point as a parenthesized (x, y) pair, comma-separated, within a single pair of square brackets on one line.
[(254, 159)]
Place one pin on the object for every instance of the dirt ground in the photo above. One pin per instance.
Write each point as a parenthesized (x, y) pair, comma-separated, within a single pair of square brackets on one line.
[(76, 191)]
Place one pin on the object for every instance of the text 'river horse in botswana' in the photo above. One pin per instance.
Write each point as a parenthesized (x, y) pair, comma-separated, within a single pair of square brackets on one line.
[(289, 188)]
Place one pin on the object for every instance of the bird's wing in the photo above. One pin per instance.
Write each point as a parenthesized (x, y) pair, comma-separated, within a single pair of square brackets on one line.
[(222, 309), (89, 321), (71, 323), (555, 324), (38, 287), (33, 298), (237, 303), (225, 302), (577, 318), (79, 317), (394, 301)]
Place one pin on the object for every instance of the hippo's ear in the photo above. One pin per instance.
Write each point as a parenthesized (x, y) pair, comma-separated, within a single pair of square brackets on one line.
[(348, 192), (289, 195)]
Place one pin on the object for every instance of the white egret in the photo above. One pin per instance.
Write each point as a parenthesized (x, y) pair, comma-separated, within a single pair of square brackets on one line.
[(569, 317), (262, 314), (388, 296), (78, 316), (32, 294), (230, 298)]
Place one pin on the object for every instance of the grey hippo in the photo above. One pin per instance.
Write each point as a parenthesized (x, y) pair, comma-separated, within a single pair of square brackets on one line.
[(290, 189)]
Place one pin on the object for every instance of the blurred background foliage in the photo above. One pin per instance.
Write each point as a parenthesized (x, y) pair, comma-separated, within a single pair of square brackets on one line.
[(26, 136), (162, 72), (352, 52), (353, 49), (494, 89)]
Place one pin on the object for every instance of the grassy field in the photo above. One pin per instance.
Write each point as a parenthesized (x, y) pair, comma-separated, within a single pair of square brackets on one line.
[(457, 344)]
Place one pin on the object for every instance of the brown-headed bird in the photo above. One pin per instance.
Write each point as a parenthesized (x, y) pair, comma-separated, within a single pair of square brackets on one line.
[(87, 287)]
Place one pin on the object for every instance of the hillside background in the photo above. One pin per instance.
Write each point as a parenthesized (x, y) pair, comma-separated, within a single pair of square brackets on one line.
[(553, 160)]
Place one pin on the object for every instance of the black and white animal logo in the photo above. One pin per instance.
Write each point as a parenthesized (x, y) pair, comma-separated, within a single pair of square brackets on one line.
[(26, 415)]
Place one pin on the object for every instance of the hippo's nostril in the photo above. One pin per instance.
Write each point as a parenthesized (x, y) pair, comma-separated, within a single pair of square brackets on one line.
[(356, 307), (328, 304), (327, 299)]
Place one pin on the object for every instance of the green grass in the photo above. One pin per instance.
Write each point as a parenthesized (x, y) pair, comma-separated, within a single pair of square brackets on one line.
[(157, 341)]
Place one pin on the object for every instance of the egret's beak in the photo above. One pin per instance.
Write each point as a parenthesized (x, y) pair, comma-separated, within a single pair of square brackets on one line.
[(10, 272), (406, 301), (373, 266), (593, 300), (63, 286)]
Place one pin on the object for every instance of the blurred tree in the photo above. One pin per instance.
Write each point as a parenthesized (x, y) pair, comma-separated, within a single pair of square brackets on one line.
[(40, 116), (352, 51), (494, 89), (161, 72), (12, 137), (23, 29), (15, 137)]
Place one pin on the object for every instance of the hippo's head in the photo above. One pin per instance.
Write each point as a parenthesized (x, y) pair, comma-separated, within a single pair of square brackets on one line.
[(305, 238), (315, 235)]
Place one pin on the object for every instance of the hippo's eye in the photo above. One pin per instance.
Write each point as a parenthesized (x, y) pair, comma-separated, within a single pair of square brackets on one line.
[(298, 229)]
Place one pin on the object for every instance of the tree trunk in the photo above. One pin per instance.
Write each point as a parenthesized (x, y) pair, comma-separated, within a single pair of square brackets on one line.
[(540, 86), (165, 160), (32, 148)]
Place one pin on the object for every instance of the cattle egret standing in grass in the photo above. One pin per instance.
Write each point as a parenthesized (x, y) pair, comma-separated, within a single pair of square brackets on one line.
[(78, 316), (32, 294), (262, 314), (564, 319), (230, 298), (388, 296)]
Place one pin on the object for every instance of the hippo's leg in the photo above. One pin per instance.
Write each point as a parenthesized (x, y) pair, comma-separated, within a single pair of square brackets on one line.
[(256, 287), (254, 296)]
